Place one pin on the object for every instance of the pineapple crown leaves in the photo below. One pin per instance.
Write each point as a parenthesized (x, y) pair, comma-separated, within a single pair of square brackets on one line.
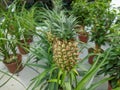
[(59, 24)]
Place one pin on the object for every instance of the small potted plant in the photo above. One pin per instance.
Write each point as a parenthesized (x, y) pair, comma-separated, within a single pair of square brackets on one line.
[(20, 23), (101, 22), (11, 59), (80, 9), (9, 36)]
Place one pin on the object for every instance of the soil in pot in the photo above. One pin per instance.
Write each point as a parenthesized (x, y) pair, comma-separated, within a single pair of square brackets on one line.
[(16, 66)]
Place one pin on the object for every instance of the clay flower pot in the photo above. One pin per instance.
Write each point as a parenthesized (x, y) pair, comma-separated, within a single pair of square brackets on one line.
[(15, 67), (109, 86), (24, 45), (82, 34), (83, 38), (91, 58)]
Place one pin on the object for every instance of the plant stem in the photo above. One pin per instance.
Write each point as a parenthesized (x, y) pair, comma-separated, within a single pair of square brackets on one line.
[(97, 47), (82, 27)]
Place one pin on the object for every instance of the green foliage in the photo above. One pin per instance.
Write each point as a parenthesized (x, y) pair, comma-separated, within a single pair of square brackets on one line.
[(27, 21), (59, 24), (42, 53), (84, 83), (15, 25), (101, 20), (54, 78), (81, 9), (8, 33), (112, 63), (10, 59), (6, 44), (118, 88)]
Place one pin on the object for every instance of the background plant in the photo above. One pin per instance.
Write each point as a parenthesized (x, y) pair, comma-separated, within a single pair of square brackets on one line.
[(81, 9), (112, 64), (101, 20)]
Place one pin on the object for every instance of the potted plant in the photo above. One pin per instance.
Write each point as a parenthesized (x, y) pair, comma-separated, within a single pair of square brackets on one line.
[(9, 30), (63, 50), (112, 65), (10, 22), (27, 26), (80, 9), (21, 24), (50, 74), (101, 21), (11, 59), (59, 54)]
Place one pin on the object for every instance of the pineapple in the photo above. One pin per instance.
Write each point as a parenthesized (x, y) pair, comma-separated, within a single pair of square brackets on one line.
[(65, 53), (64, 45)]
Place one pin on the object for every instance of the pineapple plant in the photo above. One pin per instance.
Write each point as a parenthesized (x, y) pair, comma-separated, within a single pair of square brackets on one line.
[(63, 38)]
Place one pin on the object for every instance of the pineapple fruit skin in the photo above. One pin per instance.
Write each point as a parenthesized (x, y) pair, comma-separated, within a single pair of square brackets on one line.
[(65, 53)]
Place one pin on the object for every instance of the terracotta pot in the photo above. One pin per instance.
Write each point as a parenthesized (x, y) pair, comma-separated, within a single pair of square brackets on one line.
[(23, 46), (15, 67), (22, 50), (90, 59), (30, 40), (83, 38), (109, 86)]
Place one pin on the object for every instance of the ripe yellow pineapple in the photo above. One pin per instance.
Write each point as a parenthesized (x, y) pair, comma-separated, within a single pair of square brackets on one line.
[(64, 45)]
